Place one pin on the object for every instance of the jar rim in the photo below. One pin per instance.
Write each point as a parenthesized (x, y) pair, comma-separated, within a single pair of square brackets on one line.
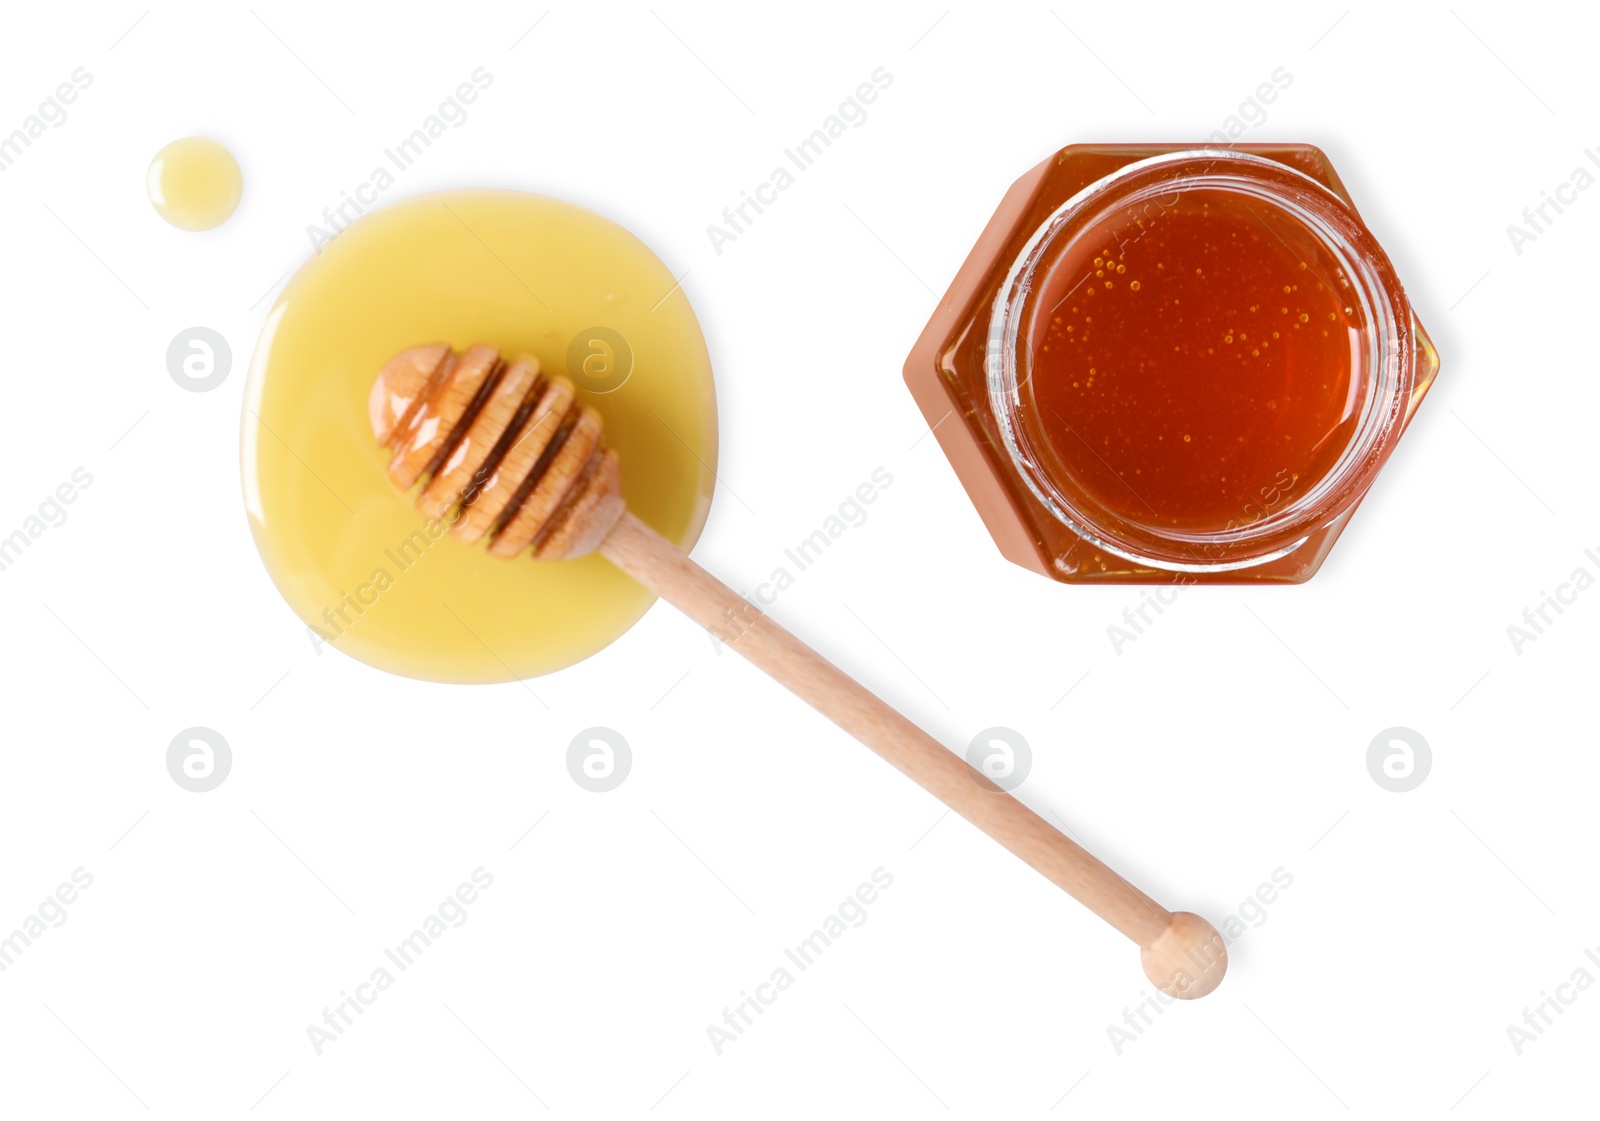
[(1385, 369)]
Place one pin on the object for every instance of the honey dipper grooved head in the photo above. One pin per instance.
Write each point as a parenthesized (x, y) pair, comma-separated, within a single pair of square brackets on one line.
[(1188, 959), (502, 450)]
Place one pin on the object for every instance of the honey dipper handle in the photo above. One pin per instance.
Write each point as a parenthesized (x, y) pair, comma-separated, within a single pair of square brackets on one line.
[(1182, 953)]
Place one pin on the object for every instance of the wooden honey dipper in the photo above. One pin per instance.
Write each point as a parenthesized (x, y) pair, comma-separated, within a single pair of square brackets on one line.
[(509, 453)]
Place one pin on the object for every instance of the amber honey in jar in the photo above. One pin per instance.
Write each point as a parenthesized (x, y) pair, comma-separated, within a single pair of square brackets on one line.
[(1173, 363)]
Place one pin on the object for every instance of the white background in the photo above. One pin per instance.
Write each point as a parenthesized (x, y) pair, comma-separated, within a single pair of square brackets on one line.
[(1227, 742)]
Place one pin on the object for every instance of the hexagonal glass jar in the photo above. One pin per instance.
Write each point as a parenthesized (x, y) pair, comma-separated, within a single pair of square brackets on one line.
[(1239, 453)]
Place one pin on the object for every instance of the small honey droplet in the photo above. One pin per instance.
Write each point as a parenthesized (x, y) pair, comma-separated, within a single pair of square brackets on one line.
[(194, 183)]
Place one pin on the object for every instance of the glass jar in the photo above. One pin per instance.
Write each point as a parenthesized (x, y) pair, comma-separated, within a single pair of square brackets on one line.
[(1170, 363)]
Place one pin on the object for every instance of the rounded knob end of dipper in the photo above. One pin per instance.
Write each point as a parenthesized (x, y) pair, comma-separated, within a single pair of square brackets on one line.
[(1186, 960)]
